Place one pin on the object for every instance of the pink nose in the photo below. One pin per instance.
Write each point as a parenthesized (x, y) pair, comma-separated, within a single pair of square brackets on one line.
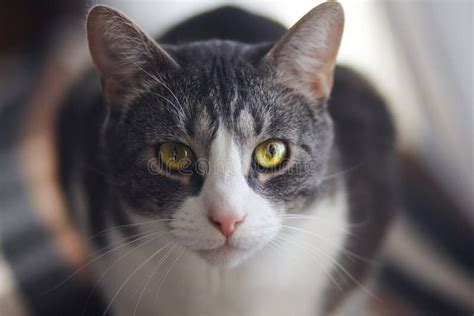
[(226, 223)]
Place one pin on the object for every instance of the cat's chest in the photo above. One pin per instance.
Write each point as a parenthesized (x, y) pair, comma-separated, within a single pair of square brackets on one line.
[(287, 278), (266, 288)]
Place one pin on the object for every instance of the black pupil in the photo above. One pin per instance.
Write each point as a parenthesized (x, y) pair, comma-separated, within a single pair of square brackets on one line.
[(272, 150), (174, 153)]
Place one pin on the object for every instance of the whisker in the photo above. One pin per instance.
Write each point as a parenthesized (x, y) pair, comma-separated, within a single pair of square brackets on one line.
[(171, 92), (159, 81), (340, 248), (341, 172), (166, 274), (360, 285), (114, 263), (270, 245), (315, 217), (308, 231), (340, 266), (160, 96), (131, 276), (118, 243), (299, 244), (129, 225), (276, 243), (154, 271), (336, 227), (94, 259)]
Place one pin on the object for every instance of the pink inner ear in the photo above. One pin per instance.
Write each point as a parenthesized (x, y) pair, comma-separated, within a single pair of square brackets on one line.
[(317, 84), (112, 91), (322, 82)]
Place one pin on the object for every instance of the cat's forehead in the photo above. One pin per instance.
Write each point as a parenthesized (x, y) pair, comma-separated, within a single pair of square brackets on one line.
[(242, 103), (215, 52), (215, 90)]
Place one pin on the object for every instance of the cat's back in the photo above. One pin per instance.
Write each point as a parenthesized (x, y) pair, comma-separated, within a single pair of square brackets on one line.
[(226, 23)]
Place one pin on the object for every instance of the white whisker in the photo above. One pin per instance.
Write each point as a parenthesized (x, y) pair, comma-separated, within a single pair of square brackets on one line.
[(341, 172), (341, 248), (179, 109), (340, 266), (131, 276), (316, 218), (154, 271), (299, 244), (128, 225), (94, 259), (166, 274), (118, 260)]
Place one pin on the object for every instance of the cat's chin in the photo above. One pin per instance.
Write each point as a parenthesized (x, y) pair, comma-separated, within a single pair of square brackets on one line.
[(225, 256)]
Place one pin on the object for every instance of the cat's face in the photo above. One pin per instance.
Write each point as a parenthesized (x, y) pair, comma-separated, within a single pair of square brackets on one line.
[(222, 127), (219, 139)]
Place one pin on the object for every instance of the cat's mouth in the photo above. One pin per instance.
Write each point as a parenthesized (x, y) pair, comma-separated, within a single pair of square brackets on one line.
[(226, 255), (224, 249)]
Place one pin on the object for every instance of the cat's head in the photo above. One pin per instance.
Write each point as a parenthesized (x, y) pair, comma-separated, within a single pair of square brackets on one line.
[(219, 139)]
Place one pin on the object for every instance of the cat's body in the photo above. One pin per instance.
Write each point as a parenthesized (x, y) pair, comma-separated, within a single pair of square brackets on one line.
[(308, 258)]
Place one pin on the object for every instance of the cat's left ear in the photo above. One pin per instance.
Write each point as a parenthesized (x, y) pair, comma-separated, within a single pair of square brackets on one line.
[(122, 53), (305, 57)]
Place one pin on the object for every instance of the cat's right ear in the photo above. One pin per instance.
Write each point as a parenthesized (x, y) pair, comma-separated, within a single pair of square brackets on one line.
[(122, 53), (305, 57)]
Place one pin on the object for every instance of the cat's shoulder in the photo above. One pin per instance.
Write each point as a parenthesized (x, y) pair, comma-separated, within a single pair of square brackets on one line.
[(360, 113)]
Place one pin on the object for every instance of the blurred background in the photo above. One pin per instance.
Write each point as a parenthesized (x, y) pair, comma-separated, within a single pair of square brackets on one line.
[(417, 53)]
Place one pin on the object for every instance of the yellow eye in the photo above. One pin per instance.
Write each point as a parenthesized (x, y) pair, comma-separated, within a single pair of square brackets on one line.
[(175, 156), (271, 153)]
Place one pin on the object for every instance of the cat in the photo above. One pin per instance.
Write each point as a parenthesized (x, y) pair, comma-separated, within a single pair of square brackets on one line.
[(228, 170)]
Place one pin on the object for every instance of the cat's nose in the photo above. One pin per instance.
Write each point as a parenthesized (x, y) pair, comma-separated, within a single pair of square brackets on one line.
[(226, 223)]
